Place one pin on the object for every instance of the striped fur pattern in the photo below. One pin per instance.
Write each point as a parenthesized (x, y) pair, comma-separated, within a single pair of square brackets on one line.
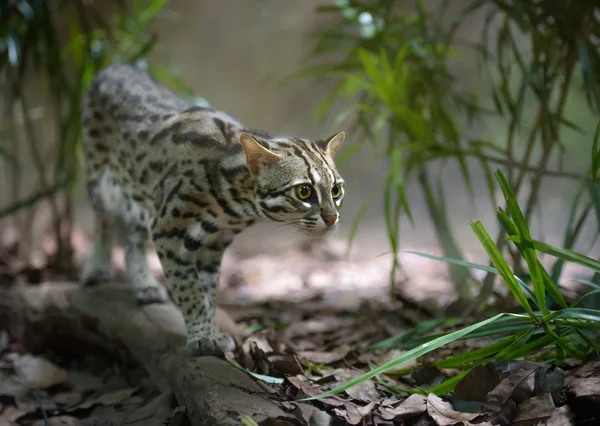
[(191, 178)]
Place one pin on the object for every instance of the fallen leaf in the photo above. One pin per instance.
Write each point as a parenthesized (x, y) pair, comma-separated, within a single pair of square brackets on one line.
[(365, 391), (308, 414), (39, 372), (309, 389), (534, 410), (259, 341), (324, 358), (561, 416), (412, 406), (583, 396), (155, 413), (106, 415), (178, 416), (58, 421), (477, 383), (550, 380), (12, 414), (428, 375), (11, 385), (443, 413), (506, 389), (67, 398), (285, 364), (353, 413), (588, 386), (106, 399), (321, 325), (505, 415)]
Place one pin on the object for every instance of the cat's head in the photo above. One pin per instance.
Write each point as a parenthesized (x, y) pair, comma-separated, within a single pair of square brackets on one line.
[(296, 180)]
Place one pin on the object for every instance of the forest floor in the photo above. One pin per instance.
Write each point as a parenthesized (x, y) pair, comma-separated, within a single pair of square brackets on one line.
[(310, 320)]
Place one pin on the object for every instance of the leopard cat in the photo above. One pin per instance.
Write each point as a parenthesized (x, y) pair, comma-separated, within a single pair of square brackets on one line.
[(191, 178)]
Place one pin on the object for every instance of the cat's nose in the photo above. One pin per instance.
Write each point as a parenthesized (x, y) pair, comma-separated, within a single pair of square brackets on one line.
[(329, 219)]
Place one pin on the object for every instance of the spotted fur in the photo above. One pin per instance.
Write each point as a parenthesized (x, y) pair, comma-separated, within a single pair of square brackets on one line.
[(191, 178)]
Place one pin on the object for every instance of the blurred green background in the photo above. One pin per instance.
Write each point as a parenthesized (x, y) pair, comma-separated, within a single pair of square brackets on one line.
[(435, 95)]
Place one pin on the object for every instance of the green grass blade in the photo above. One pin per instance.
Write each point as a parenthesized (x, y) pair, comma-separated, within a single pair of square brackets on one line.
[(448, 385), (525, 245), (407, 356), (501, 265), (419, 330), (459, 361), (478, 266), (582, 314), (567, 255)]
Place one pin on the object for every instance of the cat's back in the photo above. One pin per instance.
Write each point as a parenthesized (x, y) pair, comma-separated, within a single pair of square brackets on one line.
[(128, 93)]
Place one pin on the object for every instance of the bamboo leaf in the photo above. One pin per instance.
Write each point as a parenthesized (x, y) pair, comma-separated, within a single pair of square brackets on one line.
[(501, 265)]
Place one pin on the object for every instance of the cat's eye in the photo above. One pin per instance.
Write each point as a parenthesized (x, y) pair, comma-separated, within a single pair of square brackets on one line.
[(303, 191), (336, 191)]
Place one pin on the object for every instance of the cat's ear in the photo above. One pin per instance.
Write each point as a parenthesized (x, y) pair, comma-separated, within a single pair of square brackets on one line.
[(257, 156), (332, 144)]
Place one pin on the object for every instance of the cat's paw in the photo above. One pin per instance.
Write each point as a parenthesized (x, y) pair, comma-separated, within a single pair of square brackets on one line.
[(217, 345), (151, 294), (94, 275)]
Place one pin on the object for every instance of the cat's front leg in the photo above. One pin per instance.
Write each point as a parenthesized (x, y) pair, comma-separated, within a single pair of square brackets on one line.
[(192, 272), (204, 336)]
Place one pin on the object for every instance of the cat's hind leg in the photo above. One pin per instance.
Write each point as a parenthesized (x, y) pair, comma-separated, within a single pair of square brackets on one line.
[(146, 287), (96, 163), (99, 267)]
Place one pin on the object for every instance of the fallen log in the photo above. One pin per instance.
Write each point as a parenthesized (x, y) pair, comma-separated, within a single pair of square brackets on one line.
[(106, 318)]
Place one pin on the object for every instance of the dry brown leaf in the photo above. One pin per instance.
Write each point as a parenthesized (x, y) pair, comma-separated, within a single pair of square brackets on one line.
[(39, 372), (353, 413), (314, 326), (477, 383), (534, 410), (586, 370), (308, 414), (155, 413), (106, 416), (324, 358), (11, 414), (413, 405), (443, 413), (178, 416), (285, 364), (259, 341), (107, 399), (365, 391), (11, 385), (584, 386), (561, 417), (522, 381), (309, 389), (67, 398), (58, 421)]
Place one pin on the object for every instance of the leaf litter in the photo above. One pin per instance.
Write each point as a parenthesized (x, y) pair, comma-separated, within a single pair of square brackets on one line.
[(310, 341)]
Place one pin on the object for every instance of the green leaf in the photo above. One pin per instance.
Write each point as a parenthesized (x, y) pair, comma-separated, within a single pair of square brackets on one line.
[(459, 361), (448, 386), (501, 265), (567, 255), (407, 356), (525, 245)]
